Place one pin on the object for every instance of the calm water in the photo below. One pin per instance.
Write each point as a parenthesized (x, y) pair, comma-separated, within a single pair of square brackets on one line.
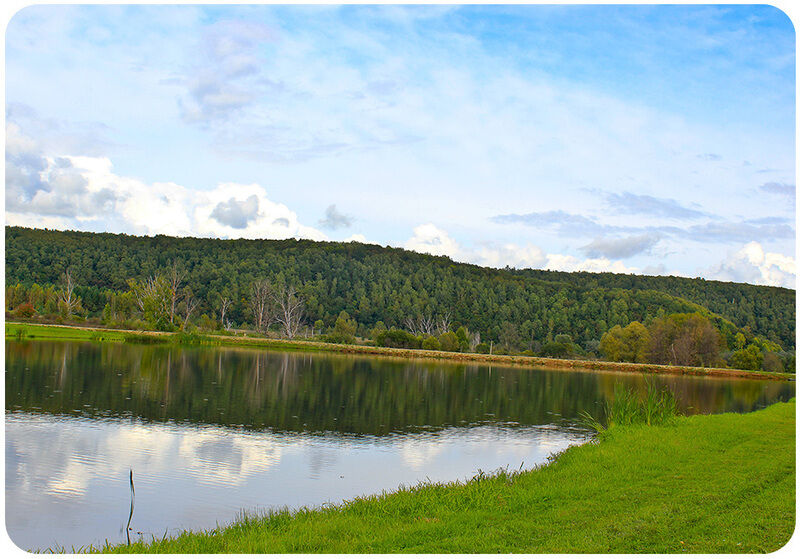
[(212, 432)]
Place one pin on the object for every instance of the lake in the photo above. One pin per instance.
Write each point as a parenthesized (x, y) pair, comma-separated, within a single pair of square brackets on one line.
[(211, 432)]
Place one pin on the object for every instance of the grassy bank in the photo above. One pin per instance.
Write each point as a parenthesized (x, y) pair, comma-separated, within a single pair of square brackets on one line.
[(44, 332), (701, 484)]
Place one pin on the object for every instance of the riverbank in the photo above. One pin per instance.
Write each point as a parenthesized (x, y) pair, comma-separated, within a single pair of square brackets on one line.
[(20, 330), (703, 484)]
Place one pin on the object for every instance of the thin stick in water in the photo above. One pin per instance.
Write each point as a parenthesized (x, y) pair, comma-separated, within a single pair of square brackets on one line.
[(128, 527)]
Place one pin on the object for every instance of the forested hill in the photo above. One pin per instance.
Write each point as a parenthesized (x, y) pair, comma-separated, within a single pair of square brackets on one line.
[(390, 285)]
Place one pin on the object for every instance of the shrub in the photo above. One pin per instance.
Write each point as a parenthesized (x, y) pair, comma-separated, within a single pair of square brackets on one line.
[(375, 332), (748, 359), (431, 343), (772, 362), (343, 331), (399, 339), (448, 341), (555, 349), (25, 310)]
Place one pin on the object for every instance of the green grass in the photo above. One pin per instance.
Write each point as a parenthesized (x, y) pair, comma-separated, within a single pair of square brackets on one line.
[(656, 406), (47, 332), (20, 331), (699, 484)]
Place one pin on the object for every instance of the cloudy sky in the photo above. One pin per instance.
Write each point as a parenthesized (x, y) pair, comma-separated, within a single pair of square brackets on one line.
[(656, 140)]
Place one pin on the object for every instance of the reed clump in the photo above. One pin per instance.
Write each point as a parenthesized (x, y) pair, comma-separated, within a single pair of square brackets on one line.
[(656, 406), (141, 338)]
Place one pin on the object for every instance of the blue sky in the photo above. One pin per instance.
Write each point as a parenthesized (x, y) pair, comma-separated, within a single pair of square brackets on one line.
[(646, 139)]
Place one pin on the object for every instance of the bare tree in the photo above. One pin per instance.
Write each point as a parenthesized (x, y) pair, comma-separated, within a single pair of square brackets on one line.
[(421, 325), (474, 340), (191, 304), (175, 279), (291, 310), (262, 304), (443, 325), (411, 325), (153, 298), (68, 301), (225, 304)]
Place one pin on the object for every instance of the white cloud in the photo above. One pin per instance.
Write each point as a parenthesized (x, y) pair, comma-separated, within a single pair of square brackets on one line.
[(529, 256), (568, 263), (272, 220), (752, 264), (72, 192), (431, 240)]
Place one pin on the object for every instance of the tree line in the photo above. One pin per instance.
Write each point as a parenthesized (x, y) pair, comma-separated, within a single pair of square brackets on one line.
[(692, 340), (303, 287)]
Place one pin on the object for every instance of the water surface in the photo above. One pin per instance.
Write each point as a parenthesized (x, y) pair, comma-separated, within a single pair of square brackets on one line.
[(211, 432)]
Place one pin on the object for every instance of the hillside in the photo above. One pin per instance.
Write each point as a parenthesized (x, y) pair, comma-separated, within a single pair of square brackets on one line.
[(390, 285)]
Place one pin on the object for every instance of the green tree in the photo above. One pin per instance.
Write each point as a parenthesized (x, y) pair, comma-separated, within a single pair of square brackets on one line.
[(448, 341), (612, 345), (344, 330), (431, 342), (748, 359)]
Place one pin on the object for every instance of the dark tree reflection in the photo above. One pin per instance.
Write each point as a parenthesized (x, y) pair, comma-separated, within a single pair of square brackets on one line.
[(302, 392)]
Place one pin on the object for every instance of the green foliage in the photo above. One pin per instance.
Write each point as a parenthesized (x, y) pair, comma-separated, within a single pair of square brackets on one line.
[(630, 344), (691, 339), (555, 349), (207, 324), (655, 407), (377, 329), (191, 338), (462, 335), (565, 339), (399, 339), (448, 341), (344, 331), (431, 342), (145, 339), (748, 359), (513, 308), (154, 296)]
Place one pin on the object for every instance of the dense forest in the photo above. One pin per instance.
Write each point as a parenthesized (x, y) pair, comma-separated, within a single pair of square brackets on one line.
[(378, 287)]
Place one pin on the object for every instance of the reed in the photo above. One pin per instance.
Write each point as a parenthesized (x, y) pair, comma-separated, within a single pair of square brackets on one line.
[(140, 338), (656, 406)]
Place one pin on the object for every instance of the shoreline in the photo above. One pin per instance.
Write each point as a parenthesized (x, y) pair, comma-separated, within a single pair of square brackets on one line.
[(592, 498), (118, 335)]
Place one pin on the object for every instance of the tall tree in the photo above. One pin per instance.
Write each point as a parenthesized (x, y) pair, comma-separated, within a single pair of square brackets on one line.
[(68, 301), (291, 310), (263, 304)]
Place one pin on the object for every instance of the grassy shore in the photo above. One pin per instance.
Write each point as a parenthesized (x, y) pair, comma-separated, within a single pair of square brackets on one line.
[(59, 332), (700, 484)]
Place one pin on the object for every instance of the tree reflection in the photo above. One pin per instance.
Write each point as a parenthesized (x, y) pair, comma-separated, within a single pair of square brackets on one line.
[(320, 392)]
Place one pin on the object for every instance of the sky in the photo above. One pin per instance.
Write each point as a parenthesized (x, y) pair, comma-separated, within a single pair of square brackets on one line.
[(641, 139)]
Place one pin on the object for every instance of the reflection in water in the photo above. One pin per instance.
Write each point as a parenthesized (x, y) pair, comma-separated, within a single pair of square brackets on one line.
[(67, 477), (209, 432), (320, 393)]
